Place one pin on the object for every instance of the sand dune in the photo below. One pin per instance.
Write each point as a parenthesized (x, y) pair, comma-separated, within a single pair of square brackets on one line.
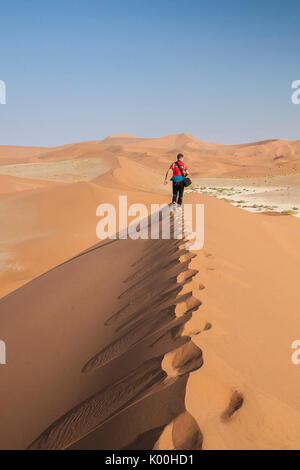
[(250, 298), (119, 163), (10, 154), (270, 157), (12, 184), (136, 341), (193, 349)]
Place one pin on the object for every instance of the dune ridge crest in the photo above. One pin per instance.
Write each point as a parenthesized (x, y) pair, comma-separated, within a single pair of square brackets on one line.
[(153, 323)]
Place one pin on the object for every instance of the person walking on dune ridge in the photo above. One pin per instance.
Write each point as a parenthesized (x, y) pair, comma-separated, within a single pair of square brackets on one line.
[(180, 171)]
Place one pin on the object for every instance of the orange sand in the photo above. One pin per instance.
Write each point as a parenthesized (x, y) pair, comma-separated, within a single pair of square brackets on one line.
[(141, 344)]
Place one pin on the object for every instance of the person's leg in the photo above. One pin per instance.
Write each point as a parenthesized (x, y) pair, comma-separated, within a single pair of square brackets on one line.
[(180, 191), (175, 192)]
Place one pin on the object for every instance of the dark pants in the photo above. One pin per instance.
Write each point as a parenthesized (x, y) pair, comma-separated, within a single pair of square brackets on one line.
[(178, 189)]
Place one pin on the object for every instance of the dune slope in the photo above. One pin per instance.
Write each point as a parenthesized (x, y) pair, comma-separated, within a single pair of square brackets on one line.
[(99, 328)]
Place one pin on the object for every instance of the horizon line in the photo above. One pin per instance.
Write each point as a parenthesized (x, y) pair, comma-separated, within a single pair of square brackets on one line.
[(131, 136)]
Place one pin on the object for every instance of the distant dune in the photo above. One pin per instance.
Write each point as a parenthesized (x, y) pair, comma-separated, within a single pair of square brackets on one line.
[(12, 184), (266, 158), (10, 155)]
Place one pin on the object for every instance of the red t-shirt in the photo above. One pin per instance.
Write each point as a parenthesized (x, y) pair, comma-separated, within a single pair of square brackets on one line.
[(176, 171)]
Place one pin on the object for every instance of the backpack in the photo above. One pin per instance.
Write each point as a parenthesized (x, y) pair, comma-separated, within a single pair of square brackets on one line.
[(186, 180)]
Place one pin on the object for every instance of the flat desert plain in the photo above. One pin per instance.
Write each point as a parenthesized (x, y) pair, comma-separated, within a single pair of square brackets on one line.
[(142, 344)]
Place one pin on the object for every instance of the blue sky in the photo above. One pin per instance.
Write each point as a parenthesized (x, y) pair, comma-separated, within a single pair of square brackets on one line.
[(83, 69)]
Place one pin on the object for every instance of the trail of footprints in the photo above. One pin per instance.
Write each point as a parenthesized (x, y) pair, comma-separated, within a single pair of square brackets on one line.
[(150, 310)]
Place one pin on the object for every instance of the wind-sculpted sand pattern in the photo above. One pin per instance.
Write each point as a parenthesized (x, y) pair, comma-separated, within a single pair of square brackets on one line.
[(145, 323), (152, 318), (93, 412)]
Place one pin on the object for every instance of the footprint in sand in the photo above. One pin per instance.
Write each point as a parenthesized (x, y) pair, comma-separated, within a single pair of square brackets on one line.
[(236, 402)]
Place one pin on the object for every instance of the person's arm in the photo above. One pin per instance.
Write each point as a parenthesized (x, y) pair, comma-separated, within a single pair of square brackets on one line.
[(167, 175), (186, 171)]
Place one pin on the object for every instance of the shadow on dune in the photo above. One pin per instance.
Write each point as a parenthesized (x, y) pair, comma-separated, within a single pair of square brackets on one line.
[(127, 397)]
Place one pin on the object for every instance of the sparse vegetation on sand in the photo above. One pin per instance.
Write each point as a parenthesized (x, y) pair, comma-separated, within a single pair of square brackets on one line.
[(289, 211), (230, 194)]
